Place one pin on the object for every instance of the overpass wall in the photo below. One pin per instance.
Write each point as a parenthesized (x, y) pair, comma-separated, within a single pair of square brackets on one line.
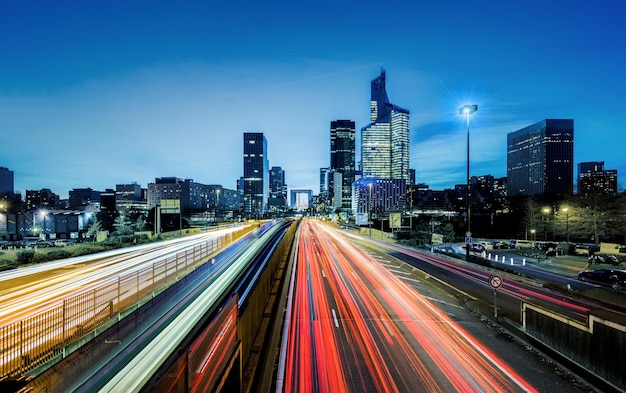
[(255, 315), (598, 345)]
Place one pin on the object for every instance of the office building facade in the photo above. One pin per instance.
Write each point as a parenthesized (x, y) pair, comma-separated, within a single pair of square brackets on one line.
[(385, 141), (375, 197), (255, 173), (342, 162), (540, 159), (278, 190), (594, 179)]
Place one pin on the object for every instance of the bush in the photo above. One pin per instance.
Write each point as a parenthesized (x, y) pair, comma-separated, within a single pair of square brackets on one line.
[(58, 254), (25, 256)]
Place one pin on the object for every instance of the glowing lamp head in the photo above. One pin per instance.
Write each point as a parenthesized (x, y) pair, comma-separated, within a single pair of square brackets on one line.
[(468, 109)]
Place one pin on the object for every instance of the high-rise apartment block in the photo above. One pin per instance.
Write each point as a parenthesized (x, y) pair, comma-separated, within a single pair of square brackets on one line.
[(255, 173), (342, 161), (540, 159), (385, 141), (593, 179)]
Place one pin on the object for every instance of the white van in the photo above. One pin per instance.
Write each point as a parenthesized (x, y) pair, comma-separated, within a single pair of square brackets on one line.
[(523, 244), (63, 243)]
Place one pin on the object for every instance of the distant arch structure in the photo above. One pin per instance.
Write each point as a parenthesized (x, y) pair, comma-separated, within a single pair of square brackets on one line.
[(301, 199)]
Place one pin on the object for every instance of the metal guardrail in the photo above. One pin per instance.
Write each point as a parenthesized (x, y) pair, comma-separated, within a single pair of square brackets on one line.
[(30, 343)]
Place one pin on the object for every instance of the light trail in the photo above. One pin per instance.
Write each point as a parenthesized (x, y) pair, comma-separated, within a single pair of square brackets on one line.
[(388, 337), (25, 292), (137, 372)]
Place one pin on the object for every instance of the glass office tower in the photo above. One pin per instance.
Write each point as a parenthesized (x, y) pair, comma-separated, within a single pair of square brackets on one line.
[(255, 174), (342, 160), (385, 141), (540, 159)]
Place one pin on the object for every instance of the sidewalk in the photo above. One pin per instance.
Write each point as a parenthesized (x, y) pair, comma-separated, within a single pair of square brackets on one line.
[(568, 263)]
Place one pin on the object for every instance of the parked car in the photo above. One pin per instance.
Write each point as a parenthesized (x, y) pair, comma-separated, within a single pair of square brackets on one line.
[(475, 247), (586, 249), (63, 243), (614, 278), (523, 244), (500, 245), (42, 243)]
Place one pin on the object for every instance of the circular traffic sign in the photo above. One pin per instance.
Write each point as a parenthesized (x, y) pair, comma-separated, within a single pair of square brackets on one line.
[(495, 281)]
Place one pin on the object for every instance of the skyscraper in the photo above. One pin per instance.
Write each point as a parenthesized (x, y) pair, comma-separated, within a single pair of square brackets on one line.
[(540, 159), (342, 161), (385, 141), (255, 173), (278, 190)]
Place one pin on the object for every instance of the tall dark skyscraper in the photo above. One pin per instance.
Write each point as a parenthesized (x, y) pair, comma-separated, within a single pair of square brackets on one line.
[(540, 159), (342, 161), (255, 173), (385, 141)]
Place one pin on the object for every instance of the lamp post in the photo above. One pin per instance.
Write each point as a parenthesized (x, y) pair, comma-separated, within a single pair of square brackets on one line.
[(217, 204), (44, 213), (566, 211), (546, 211), (369, 215), (467, 110)]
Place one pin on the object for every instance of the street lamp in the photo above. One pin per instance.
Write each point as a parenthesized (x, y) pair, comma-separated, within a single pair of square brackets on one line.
[(546, 211), (467, 110), (43, 214), (369, 215), (217, 204), (566, 211)]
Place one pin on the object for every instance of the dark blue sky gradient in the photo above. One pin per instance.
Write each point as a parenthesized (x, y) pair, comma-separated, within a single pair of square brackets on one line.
[(97, 94)]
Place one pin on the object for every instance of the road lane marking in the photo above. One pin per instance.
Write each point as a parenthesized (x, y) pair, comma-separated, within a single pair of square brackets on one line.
[(335, 318), (384, 321)]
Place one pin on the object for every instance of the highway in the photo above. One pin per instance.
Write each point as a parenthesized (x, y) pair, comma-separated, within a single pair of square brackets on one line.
[(353, 325), (48, 306), (29, 290)]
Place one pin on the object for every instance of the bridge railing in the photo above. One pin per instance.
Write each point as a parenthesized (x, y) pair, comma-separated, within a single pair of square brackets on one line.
[(34, 342)]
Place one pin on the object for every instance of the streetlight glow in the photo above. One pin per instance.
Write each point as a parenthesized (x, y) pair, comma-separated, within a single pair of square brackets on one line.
[(566, 211), (467, 110)]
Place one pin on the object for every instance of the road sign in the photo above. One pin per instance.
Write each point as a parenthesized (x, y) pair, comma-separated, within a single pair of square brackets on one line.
[(495, 281), (468, 240)]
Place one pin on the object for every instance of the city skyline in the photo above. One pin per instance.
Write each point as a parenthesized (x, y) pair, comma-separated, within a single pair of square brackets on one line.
[(99, 95)]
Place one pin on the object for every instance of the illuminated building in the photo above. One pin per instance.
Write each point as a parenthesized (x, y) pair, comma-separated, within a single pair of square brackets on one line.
[(540, 159), (255, 173), (385, 141), (593, 178), (342, 161)]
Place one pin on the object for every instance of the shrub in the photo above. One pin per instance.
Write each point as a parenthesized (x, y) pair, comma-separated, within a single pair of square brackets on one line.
[(25, 256), (58, 254)]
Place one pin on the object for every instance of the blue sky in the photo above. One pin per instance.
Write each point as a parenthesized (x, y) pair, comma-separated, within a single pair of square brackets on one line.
[(94, 94)]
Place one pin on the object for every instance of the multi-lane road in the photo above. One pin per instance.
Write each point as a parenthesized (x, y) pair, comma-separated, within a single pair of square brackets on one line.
[(47, 307), (355, 324), (27, 291)]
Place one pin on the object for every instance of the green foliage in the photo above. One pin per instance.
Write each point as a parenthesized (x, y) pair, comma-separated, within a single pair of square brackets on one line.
[(25, 256), (94, 229)]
